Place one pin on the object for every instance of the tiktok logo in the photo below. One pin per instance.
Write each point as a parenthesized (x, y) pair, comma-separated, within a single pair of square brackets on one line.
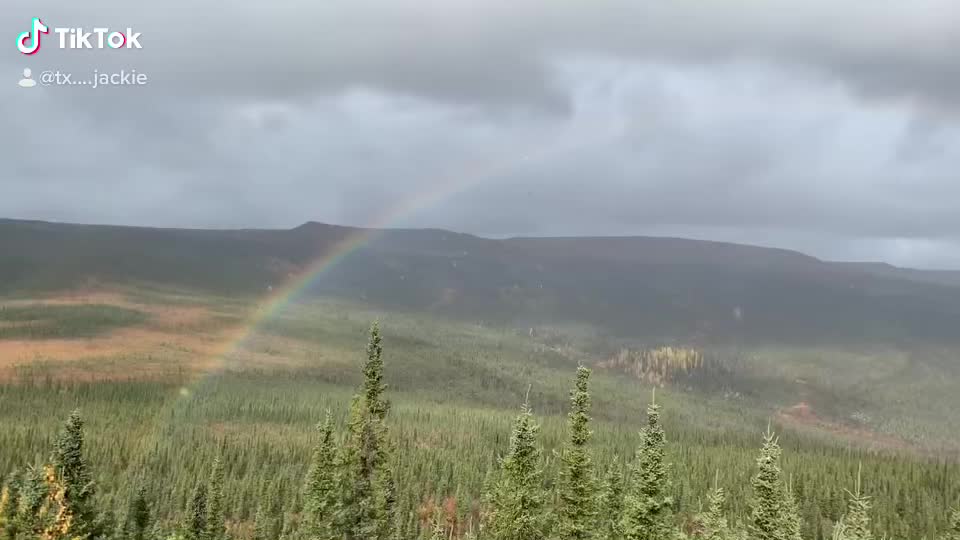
[(79, 38), (33, 36)]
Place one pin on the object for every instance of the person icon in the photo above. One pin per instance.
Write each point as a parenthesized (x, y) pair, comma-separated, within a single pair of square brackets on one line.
[(27, 81)]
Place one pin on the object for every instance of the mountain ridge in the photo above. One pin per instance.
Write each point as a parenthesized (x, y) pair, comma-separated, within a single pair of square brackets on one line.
[(663, 287)]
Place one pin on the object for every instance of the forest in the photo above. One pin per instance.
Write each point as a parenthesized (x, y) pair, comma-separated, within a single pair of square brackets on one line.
[(364, 482)]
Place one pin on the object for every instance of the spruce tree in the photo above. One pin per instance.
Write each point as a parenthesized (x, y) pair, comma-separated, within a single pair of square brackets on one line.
[(260, 527), (855, 524), (195, 526), (792, 520), (137, 520), (366, 506), (373, 385), (57, 519), (577, 490), (772, 514), (32, 493), (9, 500), (953, 533), (516, 503), (216, 519), (70, 468), (712, 524), (265, 521), (647, 507), (320, 486), (610, 504)]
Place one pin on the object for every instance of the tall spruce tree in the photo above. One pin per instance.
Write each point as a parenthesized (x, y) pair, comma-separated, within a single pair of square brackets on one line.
[(195, 524), (794, 523), (137, 522), (516, 506), (855, 524), (577, 490), (320, 486), (373, 385), (772, 514), (70, 468), (216, 518), (610, 504), (367, 502), (647, 511)]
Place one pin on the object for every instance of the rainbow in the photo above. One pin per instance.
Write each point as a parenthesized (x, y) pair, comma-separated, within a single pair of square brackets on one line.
[(441, 191), (282, 296)]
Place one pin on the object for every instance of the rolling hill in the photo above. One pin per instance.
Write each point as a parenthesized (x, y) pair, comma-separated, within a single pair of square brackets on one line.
[(665, 288)]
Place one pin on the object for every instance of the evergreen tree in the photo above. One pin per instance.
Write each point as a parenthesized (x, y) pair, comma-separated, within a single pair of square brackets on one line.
[(855, 524), (138, 516), (373, 385), (56, 515), (9, 500), (953, 533), (32, 492), (265, 521), (70, 469), (772, 514), (712, 524), (216, 519), (647, 507), (610, 504), (320, 486), (367, 503), (577, 490), (195, 527), (791, 512), (516, 503)]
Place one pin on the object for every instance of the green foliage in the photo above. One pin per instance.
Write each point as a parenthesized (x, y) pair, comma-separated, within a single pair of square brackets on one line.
[(855, 524), (70, 469), (448, 384), (516, 500), (265, 521), (216, 520), (712, 524), (953, 533), (195, 526), (647, 507), (577, 490), (137, 523), (39, 321), (320, 495), (773, 512), (610, 504), (373, 385), (365, 481)]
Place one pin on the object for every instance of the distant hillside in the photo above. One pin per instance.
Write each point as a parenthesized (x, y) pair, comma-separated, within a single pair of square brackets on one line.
[(939, 277), (667, 288)]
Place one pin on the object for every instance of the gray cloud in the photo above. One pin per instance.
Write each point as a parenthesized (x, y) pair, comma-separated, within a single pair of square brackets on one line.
[(831, 126)]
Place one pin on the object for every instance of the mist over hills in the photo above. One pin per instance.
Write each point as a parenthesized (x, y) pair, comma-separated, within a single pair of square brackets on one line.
[(664, 288)]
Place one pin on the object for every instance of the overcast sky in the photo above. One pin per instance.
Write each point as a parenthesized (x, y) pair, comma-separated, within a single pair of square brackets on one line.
[(828, 126)]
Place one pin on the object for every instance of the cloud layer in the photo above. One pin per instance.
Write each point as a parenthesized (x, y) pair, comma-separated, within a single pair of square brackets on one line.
[(832, 127)]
